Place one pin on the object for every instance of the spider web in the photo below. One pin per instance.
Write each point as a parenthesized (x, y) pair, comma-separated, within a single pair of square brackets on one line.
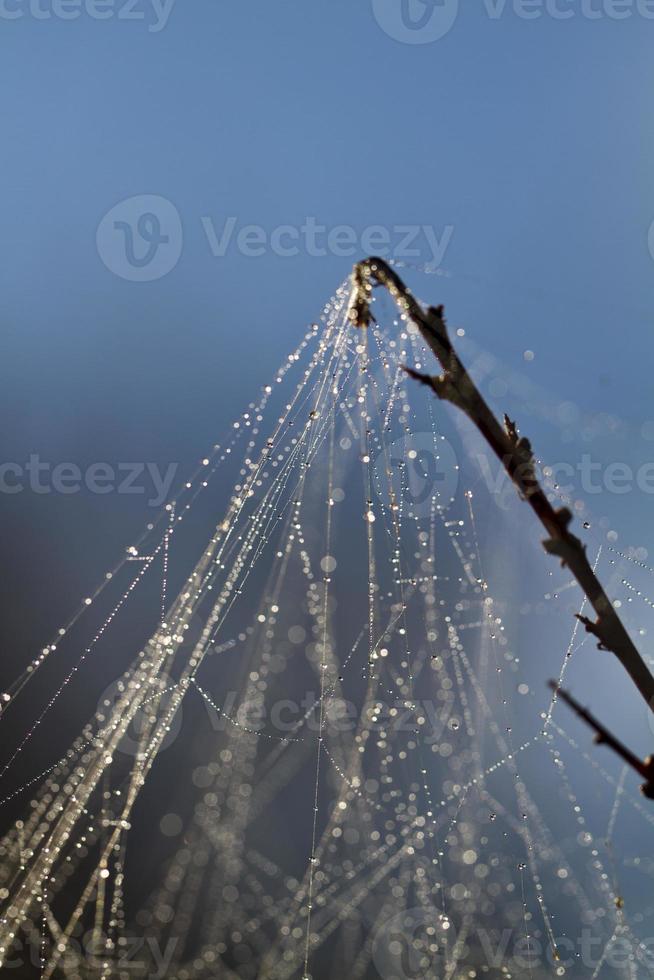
[(329, 746)]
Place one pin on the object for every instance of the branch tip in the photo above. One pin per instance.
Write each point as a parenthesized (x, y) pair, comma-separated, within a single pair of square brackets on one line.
[(604, 737), (513, 450)]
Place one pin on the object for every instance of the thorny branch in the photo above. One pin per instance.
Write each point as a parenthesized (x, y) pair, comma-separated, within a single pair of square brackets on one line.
[(514, 452), (604, 737)]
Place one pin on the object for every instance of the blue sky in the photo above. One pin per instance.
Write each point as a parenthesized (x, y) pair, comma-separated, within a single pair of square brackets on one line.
[(531, 138)]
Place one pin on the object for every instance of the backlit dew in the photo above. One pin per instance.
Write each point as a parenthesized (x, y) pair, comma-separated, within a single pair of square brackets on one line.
[(324, 745)]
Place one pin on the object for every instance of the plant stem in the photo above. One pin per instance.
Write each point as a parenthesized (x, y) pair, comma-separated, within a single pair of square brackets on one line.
[(514, 452)]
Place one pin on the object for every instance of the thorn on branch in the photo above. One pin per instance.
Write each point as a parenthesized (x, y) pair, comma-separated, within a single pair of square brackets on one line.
[(596, 629), (436, 314), (438, 311), (557, 548), (511, 430), (524, 472), (442, 385), (424, 379)]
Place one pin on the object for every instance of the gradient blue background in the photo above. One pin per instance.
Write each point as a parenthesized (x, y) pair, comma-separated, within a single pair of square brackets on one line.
[(533, 139)]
